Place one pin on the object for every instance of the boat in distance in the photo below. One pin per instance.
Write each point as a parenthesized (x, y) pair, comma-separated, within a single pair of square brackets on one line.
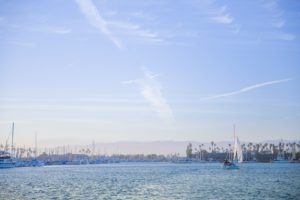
[(237, 155), (6, 161)]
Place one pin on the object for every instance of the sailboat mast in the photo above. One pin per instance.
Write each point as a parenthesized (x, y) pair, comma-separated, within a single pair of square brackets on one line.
[(35, 152), (234, 145), (233, 132), (12, 137)]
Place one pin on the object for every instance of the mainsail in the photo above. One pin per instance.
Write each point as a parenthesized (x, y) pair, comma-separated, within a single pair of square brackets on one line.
[(237, 151)]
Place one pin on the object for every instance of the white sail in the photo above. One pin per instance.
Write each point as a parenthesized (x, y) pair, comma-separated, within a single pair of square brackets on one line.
[(237, 151)]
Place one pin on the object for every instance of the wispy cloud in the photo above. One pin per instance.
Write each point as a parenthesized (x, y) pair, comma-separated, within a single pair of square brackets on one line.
[(135, 31), (50, 30), (92, 14), (247, 89), (273, 8), (285, 36), (22, 44), (277, 20), (221, 15), (280, 23), (150, 89), (224, 19), (142, 15), (80, 107), (60, 31), (117, 24), (38, 28), (124, 25)]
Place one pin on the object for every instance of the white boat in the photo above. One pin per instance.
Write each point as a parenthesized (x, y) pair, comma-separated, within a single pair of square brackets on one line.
[(280, 156), (182, 161), (294, 159), (78, 162), (6, 158), (6, 161), (35, 162), (237, 155), (230, 165), (280, 159)]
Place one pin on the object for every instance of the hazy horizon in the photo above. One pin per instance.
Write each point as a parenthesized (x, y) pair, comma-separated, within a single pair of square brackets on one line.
[(84, 70)]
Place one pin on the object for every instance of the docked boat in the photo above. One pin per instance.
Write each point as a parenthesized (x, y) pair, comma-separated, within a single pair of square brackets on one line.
[(182, 161), (35, 162), (280, 156), (294, 158), (280, 159), (6, 161), (6, 158)]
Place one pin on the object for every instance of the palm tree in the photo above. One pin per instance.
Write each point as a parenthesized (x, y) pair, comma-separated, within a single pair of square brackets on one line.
[(222, 149), (257, 146), (189, 150), (298, 145), (212, 146), (200, 151), (87, 151), (22, 152), (28, 153), (271, 147), (266, 147), (249, 147), (196, 152)]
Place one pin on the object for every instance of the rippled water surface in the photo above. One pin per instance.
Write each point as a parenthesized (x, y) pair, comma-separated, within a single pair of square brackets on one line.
[(152, 181)]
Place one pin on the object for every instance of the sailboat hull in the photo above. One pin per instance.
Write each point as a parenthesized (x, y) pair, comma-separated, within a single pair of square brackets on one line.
[(7, 163), (232, 166)]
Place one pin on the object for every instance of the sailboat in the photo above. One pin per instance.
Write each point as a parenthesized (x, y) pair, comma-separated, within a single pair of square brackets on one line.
[(237, 155), (35, 162), (6, 161), (6, 158), (280, 155), (294, 159)]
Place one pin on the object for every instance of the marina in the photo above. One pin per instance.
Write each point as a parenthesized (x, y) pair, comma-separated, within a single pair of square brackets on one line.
[(231, 157)]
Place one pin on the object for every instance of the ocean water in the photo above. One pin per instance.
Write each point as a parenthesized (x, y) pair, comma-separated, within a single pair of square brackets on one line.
[(152, 181)]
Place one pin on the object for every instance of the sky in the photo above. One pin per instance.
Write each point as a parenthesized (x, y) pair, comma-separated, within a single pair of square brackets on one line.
[(81, 70)]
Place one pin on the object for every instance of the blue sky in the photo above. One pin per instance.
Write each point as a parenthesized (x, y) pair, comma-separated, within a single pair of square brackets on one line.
[(77, 71)]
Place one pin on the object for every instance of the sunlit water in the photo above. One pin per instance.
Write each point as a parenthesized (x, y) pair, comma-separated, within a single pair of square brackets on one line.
[(152, 181)]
